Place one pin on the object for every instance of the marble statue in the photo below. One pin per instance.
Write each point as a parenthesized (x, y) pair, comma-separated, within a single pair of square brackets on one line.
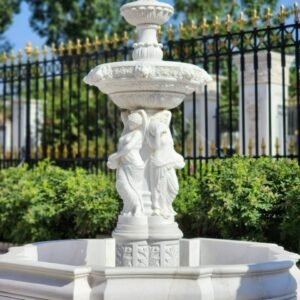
[(164, 161), (128, 162)]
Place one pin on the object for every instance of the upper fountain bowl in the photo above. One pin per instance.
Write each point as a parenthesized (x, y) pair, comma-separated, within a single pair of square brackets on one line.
[(146, 12), (147, 84)]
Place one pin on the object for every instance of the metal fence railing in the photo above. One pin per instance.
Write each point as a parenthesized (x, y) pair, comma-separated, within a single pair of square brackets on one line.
[(250, 108)]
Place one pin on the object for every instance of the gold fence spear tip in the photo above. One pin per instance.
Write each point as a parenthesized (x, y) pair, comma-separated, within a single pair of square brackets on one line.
[(216, 25), (61, 49), (254, 18), (96, 43), (105, 41), (36, 53), (170, 32), (228, 23), (12, 56), (241, 21), (53, 50), (115, 40), (296, 12), (56, 152), (181, 30), (48, 152), (125, 38), (65, 151), (193, 28), (78, 46), (87, 45), (70, 47), (4, 57), (292, 146), (282, 14), (45, 51), (204, 26), (268, 15), (28, 49)]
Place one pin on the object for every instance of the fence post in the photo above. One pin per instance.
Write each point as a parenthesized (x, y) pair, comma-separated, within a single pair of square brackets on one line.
[(28, 129)]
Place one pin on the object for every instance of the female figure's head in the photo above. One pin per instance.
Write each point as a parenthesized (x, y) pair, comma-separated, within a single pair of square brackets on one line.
[(135, 120)]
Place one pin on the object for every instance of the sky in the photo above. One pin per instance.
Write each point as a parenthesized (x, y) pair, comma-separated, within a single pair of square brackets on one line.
[(20, 32)]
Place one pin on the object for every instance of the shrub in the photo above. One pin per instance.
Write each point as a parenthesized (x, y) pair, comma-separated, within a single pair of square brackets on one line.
[(238, 198), (244, 198), (47, 202)]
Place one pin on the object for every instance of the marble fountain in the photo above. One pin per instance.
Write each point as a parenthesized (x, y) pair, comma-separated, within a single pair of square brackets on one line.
[(147, 258)]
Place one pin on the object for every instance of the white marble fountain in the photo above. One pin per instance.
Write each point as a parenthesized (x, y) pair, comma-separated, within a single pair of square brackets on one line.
[(147, 257)]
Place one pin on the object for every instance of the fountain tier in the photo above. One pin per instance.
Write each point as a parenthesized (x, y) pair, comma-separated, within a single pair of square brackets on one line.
[(147, 84)]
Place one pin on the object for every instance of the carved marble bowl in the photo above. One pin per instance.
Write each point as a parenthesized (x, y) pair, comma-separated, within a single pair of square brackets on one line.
[(146, 12), (147, 84)]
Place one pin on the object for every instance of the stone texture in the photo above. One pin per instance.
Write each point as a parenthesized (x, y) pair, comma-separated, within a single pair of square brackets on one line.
[(210, 269)]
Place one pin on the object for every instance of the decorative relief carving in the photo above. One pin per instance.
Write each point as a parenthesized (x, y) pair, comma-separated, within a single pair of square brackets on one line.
[(171, 255), (142, 256), (154, 256), (148, 71), (124, 255)]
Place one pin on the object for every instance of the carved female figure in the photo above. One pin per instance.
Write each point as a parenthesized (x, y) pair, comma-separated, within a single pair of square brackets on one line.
[(164, 161), (129, 163)]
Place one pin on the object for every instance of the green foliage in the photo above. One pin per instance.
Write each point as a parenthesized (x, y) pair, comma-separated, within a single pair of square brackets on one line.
[(238, 198), (197, 9), (7, 10), (243, 198), (58, 20), (47, 202)]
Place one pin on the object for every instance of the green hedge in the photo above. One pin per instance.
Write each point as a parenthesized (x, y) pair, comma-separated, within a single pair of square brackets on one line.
[(47, 202), (238, 198), (243, 198)]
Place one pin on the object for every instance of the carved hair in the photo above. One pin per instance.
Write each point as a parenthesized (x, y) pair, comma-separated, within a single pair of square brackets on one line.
[(135, 118)]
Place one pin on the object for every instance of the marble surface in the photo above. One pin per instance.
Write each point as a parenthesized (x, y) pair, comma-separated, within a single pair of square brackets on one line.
[(209, 269)]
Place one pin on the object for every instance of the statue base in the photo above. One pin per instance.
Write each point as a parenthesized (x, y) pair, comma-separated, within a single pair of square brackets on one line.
[(147, 242)]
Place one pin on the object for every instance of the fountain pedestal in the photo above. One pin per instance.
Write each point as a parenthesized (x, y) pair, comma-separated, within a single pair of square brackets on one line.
[(147, 242)]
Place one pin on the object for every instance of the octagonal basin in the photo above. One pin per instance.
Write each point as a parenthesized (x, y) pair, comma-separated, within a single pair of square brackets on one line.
[(210, 269)]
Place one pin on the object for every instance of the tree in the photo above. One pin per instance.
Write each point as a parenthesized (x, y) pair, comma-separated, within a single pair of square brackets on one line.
[(7, 10), (61, 20), (197, 9)]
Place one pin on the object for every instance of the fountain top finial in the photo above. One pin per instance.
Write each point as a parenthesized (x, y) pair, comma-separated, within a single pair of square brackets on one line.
[(147, 15)]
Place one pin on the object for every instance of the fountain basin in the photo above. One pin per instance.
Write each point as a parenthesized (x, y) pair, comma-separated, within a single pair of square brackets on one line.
[(209, 269), (147, 84)]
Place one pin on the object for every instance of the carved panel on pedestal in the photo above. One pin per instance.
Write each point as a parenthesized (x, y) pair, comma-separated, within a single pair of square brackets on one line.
[(124, 255), (154, 256), (171, 255)]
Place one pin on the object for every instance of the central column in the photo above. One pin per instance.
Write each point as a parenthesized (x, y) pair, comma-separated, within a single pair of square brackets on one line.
[(146, 163)]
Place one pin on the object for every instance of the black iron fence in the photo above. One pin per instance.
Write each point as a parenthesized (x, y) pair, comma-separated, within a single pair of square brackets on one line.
[(251, 107)]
